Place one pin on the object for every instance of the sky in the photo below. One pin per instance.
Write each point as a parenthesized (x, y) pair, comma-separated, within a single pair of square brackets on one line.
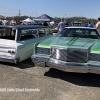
[(53, 8)]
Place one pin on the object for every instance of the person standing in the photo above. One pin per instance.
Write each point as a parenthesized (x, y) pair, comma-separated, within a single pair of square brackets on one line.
[(5, 21), (45, 24), (97, 26), (67, 24), (13, 21), (90, 25), (61, 25)]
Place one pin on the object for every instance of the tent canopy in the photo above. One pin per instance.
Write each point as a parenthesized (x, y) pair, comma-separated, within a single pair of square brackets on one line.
[(44, 17), (28, 20)]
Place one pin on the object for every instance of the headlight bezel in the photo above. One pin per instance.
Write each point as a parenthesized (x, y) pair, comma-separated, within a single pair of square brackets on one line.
[(94, 57)]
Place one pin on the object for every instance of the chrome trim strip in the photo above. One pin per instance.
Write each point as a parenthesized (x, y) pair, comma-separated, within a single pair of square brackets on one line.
[(7, 47)]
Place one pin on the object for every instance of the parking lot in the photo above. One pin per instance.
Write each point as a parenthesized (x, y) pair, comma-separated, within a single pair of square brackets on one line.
[(18, 82)]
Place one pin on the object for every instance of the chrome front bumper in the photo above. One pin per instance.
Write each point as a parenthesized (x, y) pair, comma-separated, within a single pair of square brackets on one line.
[(67, 67), (39, 61)]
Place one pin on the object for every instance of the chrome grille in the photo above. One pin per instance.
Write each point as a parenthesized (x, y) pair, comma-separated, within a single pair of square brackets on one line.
[(76, 56), (42, 51), (59, 54), (69, 55)]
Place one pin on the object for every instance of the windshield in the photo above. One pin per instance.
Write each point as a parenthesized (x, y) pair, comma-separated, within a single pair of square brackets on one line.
[(80, 32)]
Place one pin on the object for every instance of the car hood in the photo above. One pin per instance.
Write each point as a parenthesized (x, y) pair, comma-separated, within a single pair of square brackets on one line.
[(68, 42)]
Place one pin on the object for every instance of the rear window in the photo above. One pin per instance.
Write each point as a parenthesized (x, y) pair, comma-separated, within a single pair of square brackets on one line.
[(7, 33)]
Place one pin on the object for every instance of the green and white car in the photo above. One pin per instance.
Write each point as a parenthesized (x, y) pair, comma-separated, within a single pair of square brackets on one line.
[(75, 49)]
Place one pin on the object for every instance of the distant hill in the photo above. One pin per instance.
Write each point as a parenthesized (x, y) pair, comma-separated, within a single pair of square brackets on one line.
[(1, 16)]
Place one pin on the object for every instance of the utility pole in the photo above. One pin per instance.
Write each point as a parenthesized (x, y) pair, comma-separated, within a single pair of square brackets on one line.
[(32, 14), (19, 14), (36, 14)]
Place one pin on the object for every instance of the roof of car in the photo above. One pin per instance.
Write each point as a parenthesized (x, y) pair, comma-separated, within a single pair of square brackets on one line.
[(80, 27), (23, 26)]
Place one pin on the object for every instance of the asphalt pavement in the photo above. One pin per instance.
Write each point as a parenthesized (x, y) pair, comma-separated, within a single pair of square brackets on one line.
[(28, 82)]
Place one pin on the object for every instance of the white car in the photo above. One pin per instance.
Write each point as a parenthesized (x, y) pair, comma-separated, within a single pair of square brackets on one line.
[(17, 42)]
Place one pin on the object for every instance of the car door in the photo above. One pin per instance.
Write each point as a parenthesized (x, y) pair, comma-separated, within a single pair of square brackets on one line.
[(26, 43)]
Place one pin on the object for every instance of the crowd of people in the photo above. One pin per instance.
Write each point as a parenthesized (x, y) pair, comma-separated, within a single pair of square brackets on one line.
[(63, 24), (60, 26), (6, 22), (15, 22)]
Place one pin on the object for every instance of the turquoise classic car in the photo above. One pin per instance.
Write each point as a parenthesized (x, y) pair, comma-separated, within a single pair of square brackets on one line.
[(75, 49)]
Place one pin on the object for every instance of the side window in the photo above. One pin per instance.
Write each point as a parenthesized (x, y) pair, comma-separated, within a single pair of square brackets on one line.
[(28, 34), (93, 33), (41, 32), (48, 32)]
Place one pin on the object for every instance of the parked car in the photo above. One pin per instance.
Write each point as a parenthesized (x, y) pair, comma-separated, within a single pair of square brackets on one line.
[(17, 42), (76, 24), (75, 49), (54, 30)]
